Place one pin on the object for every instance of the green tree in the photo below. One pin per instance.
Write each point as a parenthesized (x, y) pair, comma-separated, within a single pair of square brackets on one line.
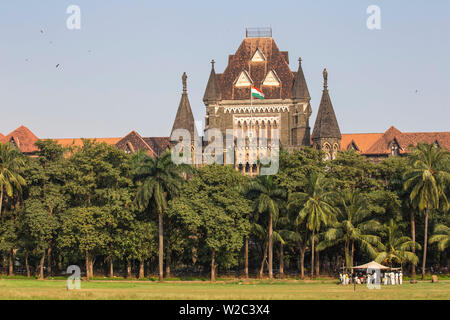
[(441, 236), (397, 248), (427, 179), (97, 182), (267, 195), (40, 227), (213, 208), (158, 178), (391, 172), (317, 202), (11, 163), (354, 225)]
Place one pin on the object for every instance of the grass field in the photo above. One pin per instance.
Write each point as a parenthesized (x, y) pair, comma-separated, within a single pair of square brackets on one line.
[(283, 290)]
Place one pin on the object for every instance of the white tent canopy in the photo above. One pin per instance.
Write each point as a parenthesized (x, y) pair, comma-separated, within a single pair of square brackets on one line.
[(371, 265)]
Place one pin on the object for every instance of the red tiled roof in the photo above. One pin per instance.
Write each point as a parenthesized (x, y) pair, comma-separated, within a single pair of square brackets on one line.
[(135, 142), (78, 142), (363, 141), (23, 138), (405, 140)]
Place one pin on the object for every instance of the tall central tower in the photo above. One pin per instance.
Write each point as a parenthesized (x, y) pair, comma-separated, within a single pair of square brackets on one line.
[(258, 62)]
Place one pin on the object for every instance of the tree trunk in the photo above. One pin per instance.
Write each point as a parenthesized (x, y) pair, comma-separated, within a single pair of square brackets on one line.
[(347, 254), (41, 266), (111, 267), (11, 263), (161, 246), (60, 263), (261, 270), (49, 261), (353, 252), (302, 262), (91, 267), (213, 265), (281, 260), (413, 237), (141, 269), (312, 255), (27, 266), (1, 201), (128, 269), (87, 266), (317, 264), (168, 262), (425, 244), (270, 246), (246, 257)]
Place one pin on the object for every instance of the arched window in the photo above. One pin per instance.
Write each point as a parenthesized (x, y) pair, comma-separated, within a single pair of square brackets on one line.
[(335, 151), (327, 149)]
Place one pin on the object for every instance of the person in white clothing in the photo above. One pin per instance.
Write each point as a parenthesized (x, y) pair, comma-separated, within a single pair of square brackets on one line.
[(396, 278), (392, 278), (400, 278)]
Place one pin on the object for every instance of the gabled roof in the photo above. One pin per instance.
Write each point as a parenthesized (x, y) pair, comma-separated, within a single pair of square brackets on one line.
[(258, 56), (134, 142), (23, 138), (241, 61), (158, 144), (271, 79), (363, 141), (212, 91), (184, 118), (405, 140), (300, 88), (326, 125)]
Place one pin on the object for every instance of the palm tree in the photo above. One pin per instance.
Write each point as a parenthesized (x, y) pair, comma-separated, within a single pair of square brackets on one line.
[(441, 236), (158, 178), (11, 162), (317, 206), (427, 180), (398, 248), (354, 225), (267, 194)]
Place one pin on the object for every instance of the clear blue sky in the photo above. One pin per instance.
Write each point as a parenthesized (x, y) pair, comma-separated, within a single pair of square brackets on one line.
[(122, 70)]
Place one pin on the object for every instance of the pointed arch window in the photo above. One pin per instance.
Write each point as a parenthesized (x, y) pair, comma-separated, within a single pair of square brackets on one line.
[(327, 149), (335, 151)]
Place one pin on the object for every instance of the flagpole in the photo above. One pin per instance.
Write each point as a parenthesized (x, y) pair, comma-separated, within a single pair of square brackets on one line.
[(251, 111)]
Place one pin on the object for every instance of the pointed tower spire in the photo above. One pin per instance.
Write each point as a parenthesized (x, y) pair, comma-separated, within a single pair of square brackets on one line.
[(300, 88), (212, 92), (326, 125), (184, 118)]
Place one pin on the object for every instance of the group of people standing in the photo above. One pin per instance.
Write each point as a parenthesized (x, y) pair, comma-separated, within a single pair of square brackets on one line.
[(392, 278), (388, 278)]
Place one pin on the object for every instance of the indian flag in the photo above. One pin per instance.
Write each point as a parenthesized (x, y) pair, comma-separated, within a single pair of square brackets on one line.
[(257, 93)]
